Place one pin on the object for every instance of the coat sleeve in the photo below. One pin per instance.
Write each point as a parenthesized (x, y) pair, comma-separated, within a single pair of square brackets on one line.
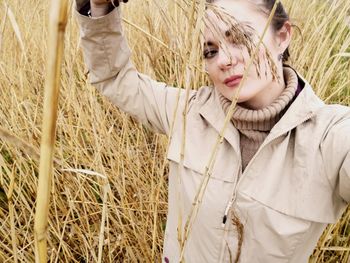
[(107, 56), (336, 154)]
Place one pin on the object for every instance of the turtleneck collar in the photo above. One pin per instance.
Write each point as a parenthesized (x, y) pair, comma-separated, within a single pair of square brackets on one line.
[(264, 119), (255, 125)]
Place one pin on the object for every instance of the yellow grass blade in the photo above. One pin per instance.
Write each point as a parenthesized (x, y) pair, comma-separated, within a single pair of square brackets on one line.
[(15, 28), (343, 55)]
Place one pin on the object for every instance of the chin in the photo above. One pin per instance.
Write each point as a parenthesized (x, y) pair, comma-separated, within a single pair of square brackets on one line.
[(244, 97), (247, 93)]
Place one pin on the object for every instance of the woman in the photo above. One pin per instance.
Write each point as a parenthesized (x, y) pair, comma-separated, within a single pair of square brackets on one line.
[(282, 172)]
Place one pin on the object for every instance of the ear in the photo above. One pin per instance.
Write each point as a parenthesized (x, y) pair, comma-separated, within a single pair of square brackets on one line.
[(284, 36)]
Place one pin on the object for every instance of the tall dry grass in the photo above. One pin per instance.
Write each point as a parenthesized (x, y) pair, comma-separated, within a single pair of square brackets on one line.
[(109, 187)]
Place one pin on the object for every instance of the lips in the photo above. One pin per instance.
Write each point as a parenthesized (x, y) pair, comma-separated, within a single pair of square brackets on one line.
[(233, 80)]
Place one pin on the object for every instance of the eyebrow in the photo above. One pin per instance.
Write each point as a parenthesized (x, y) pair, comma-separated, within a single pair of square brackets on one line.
[(228, 32), (243, 24), (208, 44)]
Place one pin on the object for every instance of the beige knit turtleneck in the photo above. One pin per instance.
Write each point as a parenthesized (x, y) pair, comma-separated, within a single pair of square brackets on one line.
[(255, 125)]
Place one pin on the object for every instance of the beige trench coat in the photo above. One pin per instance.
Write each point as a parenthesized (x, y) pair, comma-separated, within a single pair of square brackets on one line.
[(297, 182)]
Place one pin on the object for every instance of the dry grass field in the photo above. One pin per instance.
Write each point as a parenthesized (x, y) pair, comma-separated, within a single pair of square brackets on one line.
[(107, 166)]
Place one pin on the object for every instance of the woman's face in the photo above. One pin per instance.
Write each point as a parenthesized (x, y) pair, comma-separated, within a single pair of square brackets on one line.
[(226, 61)]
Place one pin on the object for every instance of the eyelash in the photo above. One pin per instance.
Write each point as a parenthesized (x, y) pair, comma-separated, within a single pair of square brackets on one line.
[(210, 53)]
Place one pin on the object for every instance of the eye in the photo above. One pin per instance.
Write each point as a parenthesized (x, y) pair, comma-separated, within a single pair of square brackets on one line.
[(209, 53)]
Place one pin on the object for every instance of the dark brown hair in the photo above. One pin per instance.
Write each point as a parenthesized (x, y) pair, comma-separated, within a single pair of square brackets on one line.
[(278, 20)]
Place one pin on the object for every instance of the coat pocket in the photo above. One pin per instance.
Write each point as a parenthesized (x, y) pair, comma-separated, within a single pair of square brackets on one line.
[(290, 178), (197, 153), (273, 236)]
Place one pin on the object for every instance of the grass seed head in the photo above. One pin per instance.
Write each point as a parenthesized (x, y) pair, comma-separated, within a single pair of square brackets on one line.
[(241, 36)]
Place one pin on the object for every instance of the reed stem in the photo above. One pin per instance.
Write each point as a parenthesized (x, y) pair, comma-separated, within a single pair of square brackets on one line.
[(57, 25)]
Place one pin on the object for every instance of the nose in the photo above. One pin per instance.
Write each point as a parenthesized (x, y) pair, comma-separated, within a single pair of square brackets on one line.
[(227, 58)]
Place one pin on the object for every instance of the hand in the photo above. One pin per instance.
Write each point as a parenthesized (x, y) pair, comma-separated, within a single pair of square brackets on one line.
[(101, 7)]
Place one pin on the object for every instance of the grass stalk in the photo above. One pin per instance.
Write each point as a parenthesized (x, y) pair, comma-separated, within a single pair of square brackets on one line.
[(103, 221), (12, 217), (57, 25)]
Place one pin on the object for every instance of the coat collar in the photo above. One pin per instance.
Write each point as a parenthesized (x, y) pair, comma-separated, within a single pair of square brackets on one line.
[(303, 108), (213, 113)]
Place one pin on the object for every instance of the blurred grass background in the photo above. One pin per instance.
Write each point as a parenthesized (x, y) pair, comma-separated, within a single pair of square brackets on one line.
[(94, 137)]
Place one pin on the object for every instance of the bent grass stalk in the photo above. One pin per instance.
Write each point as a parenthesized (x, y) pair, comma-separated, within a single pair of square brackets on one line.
[(30, 150), (57, 24), (208, 170), (160, 42), (106, 189)]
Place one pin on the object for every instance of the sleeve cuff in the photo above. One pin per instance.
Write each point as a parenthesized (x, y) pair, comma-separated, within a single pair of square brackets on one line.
[(83, 8), (103, 23)]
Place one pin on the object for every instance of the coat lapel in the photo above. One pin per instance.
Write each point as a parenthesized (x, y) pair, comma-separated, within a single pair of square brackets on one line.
[(213, 113)]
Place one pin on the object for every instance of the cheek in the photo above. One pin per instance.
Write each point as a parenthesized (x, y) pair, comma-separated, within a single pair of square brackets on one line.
[(246, 57), (264, 58), (211, 70), (262, 55), (271, 48)]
